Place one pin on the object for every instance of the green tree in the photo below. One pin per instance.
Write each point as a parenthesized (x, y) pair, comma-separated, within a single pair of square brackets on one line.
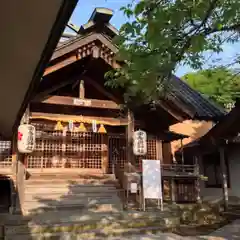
[(219, 84), (161, 34)]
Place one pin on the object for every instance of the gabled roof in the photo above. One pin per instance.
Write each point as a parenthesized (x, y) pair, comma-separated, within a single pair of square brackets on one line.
[(180, 95), (200, 107)]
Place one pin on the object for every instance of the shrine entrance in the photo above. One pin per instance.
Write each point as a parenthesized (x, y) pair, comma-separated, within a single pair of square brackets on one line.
[(67, 151)]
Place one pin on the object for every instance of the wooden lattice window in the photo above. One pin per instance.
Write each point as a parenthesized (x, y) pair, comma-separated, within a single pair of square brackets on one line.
[(151, 151), (5, 154)]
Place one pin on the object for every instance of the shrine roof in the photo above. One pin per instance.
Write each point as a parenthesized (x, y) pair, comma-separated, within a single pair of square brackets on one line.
[(181, 96)]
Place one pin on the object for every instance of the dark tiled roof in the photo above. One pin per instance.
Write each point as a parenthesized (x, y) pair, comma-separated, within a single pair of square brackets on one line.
[(202, 108)]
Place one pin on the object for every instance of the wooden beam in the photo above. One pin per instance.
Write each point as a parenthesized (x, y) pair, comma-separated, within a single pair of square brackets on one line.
[(171, 111), (77, 118), (58, 85), (77, 102), (224, 177), (101, 89), (61, 64)]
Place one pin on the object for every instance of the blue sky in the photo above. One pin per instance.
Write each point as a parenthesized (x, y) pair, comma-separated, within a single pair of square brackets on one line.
[(86, 7)]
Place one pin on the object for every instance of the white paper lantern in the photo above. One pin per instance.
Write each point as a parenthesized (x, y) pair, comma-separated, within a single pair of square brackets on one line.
[(139, 143), (26, 138)]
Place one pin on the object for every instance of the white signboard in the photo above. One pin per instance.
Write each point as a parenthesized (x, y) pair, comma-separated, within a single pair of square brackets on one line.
[(152, 180), (26, 138), (139, 143), (133, 187), (82, 102)]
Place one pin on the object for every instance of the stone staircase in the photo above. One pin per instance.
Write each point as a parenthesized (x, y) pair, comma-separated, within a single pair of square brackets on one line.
[(70, 194), (88, 207)]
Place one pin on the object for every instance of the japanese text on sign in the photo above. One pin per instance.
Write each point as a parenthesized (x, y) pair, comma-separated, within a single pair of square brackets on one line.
[(139, 142)]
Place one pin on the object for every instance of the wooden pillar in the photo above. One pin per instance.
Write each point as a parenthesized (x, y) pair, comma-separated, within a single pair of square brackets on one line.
[(81, 90), (105, 153), (197, 181), (159, 151), (17, 197), (130, 131), (224, 177), (19, 169)]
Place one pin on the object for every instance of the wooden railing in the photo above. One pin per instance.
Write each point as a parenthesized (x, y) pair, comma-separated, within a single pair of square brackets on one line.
[(183, 177), (178, 170)]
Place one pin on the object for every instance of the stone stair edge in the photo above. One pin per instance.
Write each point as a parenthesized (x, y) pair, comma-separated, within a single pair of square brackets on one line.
[(94, 215), (92, 234), (78, 227), (72, 202), (70, 195)]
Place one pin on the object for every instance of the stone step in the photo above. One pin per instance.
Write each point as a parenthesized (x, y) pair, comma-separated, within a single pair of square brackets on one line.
[(81, 215), (36, 210), (69, 176), (71, 201), (106, 224), (70, 181), (69, 190), (60, 196)]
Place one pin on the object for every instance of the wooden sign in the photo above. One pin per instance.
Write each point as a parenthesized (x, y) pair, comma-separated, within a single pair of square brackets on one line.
[(82, 102), (94, 126), (71, 126), (26, 138), (139, 143)]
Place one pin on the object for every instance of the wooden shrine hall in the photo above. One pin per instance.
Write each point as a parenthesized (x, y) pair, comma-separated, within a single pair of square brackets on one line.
[(80, 122)]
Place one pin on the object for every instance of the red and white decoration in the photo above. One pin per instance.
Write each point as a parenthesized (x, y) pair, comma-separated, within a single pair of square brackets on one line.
[(26, 138), (139, 143)]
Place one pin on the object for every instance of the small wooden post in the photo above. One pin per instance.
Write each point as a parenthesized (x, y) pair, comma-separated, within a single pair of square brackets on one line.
[(173, 187), (182, 154), (64, 135), (224, 177), (130, 131), (81, 90), (197, 182)]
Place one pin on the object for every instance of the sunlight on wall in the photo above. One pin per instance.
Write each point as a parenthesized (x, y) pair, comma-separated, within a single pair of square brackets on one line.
[(194, 129)]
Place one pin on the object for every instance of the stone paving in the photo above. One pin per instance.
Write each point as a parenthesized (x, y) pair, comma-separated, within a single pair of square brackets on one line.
[(161, 236), (228, 232)]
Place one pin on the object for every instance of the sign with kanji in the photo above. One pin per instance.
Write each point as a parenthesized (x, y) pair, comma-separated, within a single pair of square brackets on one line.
[(71, 126), (139, 143), (26, 138)]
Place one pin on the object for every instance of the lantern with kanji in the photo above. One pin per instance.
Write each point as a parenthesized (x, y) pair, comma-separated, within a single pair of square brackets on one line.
[(139, 143), (26, 138)]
